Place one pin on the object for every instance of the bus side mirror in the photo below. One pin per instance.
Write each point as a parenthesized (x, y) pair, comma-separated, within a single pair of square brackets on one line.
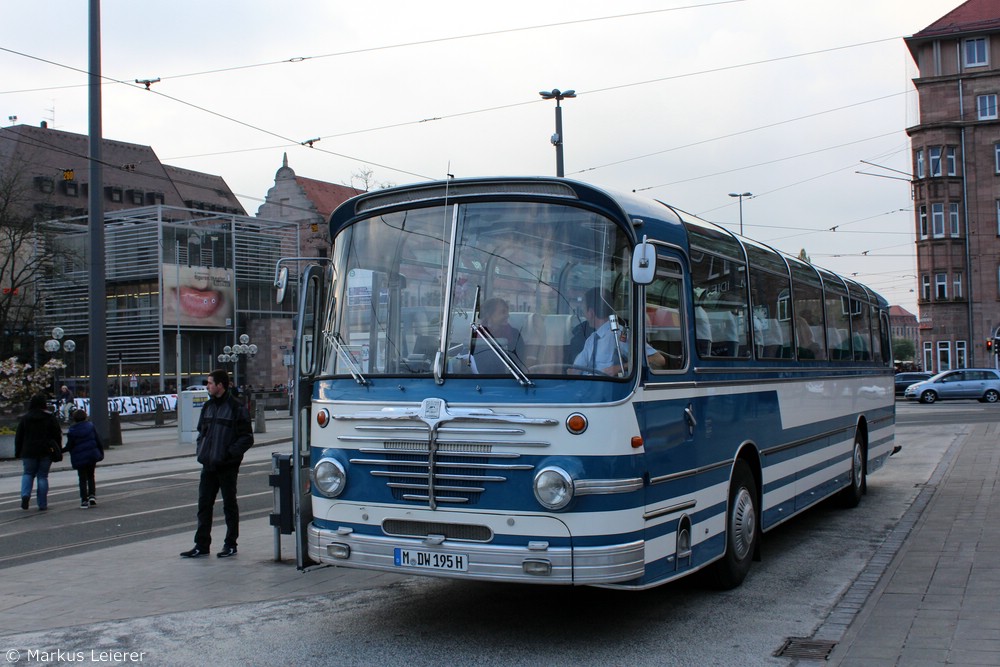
[(281, 283), (643, 263)]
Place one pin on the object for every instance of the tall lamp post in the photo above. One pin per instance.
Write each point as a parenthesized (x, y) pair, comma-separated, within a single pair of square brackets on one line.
[(55, 344), (741, 195), (231, 355), (557, 138)]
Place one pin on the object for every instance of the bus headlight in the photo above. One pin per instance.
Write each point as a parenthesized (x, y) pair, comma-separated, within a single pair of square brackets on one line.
[(329, 477), (553, 488)]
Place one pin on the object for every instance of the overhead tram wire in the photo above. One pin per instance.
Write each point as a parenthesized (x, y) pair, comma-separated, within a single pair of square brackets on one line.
[(477, 111), (291, 142), (742, 132), (437, 40)]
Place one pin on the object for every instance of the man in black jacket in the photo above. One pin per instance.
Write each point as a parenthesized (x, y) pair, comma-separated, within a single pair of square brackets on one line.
[(224, 436)]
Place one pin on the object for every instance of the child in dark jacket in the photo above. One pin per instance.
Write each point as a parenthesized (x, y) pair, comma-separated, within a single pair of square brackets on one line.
[(85, 450)]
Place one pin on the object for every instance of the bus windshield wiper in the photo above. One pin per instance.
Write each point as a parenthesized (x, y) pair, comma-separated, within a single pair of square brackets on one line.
[(482, 333), (333, 338)]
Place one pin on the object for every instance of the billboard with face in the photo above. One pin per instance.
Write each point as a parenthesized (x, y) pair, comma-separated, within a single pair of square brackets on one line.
[(198, 296)]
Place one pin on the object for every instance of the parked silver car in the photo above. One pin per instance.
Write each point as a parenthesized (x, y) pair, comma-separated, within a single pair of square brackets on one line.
[(982, 384)]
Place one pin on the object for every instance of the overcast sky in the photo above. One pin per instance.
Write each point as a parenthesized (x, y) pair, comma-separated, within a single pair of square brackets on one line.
[(681, 100)]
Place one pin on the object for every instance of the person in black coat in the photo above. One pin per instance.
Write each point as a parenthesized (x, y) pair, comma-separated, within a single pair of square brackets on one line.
[(37, 430), (85, 450), (224, 436)]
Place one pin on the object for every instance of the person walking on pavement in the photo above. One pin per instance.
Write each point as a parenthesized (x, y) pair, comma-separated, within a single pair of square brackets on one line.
[(65, 403), (85, 450), (224, 436), (37, 432)]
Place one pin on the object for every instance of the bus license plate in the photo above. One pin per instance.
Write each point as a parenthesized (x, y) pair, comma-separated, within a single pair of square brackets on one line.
[(431, 560)]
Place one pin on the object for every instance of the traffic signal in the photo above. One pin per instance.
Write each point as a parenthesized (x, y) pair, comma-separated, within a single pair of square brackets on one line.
[(989, 345)]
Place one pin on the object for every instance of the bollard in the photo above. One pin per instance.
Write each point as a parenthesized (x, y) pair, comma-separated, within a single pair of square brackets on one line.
[(261, 424), (159, 414), (115, 428)]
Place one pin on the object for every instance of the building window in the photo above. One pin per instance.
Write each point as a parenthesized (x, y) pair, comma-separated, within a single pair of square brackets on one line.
[(937, 220), (961, 358), (925, 287), (934, 155), (940, 286), (954, 220), (944, 355), (928, 356), (957, 285), (45, 184), (952, 165), (920, 162), (922, 214), (996, 158), (986, 105), (975, 52)]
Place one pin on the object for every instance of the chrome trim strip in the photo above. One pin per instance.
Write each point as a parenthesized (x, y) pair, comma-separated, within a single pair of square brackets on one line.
[(442, 476), (441, 441), (589, 487), (680, 507), (689, 473), (437, 499), (420, 487), (804, 441), (482, 455), (424, 464)]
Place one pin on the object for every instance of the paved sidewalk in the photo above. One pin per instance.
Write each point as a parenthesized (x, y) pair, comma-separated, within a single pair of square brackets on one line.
[(938, 603), (148, 578)]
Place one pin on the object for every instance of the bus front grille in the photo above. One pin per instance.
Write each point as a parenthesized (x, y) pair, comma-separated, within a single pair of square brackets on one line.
[(438, 455), (458, 474)]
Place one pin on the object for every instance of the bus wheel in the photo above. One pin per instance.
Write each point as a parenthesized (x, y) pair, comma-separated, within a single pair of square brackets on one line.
[(851, 496), (742, 529)]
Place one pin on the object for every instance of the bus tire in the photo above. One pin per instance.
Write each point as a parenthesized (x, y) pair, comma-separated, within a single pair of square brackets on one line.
[(742, 529), (851, 496)]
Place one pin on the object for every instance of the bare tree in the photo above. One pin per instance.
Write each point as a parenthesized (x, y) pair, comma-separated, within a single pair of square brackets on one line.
[(24, 259), (364, 179)]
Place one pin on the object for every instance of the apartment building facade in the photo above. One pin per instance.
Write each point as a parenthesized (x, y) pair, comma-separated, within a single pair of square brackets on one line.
[(956, 185)]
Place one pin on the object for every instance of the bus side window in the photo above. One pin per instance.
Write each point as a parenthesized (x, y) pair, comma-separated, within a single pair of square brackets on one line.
[(664, 344), (807, 308), (719, 288)]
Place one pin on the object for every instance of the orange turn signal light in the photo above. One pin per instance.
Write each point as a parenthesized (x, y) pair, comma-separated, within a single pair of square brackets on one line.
[(576, 423)]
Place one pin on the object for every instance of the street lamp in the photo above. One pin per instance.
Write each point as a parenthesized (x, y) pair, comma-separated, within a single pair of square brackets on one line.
[(741, 195), (231, 355), (55, 344), (557, 138)]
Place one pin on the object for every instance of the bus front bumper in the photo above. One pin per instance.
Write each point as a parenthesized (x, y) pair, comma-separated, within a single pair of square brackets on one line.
[(535, 563)]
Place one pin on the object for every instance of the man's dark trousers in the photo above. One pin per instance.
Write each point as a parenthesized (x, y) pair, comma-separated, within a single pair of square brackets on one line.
[(212, 481)]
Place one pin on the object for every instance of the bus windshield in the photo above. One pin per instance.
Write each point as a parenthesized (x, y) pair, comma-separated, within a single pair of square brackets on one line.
[(496, 288)]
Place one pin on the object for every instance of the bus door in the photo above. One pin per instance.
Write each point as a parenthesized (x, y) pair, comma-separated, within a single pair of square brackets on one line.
[(669, 420), (313, 289)]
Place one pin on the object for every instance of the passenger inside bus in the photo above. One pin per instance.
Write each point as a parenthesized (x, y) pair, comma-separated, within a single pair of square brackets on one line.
[(495, 317)]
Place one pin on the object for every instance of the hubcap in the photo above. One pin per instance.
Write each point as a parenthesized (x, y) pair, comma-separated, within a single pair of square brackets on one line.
[(744, 524), (857, 465)]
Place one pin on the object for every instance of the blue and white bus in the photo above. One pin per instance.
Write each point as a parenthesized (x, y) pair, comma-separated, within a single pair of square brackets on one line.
[(534, 380)]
